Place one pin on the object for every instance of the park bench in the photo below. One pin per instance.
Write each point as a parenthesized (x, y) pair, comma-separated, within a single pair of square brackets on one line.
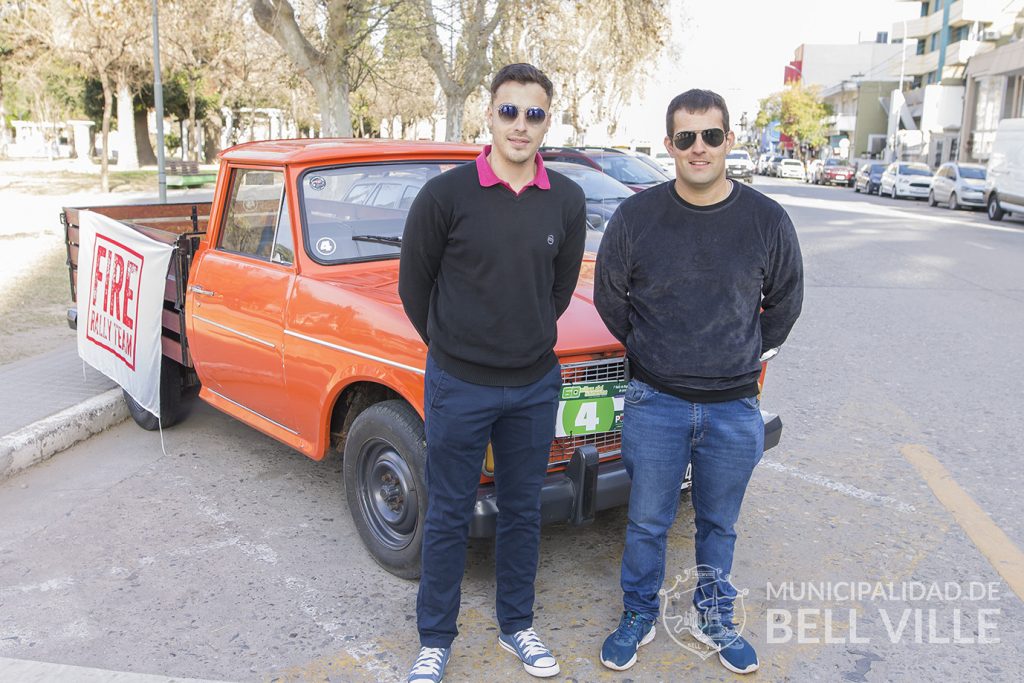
[(187, 174)]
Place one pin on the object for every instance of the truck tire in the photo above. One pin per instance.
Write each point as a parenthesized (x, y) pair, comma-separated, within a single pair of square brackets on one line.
[(384, 466), (995, 212), (170, 399)]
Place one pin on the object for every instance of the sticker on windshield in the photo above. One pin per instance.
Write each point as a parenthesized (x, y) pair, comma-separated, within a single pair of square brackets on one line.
[(317, 183), (325, 246), (446, 167)]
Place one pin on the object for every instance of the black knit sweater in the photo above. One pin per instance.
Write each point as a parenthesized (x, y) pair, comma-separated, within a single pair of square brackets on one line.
[(682, 286), (485, 273)]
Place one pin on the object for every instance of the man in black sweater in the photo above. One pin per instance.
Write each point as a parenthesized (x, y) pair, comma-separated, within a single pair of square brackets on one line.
[(699, 278), (490, 257)]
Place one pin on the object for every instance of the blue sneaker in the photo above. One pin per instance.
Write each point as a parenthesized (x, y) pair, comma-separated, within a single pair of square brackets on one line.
[(429, 665), (535, 656), (735, 653), (619, 649)]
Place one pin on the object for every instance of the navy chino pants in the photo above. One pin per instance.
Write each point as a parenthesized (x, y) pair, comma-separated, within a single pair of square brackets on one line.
[(460, 419)]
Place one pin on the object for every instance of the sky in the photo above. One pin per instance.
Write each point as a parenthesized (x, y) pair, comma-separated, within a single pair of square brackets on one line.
[(739, 49)]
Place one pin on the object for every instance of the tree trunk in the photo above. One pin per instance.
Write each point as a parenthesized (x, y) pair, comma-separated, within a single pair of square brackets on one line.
[(213, 126), (108, 106), (335, 114), (147, 157), (127, 154), (454, 104), (191, 151), (325, 71)]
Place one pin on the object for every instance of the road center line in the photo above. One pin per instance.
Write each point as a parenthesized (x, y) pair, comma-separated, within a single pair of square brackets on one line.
[(839, 487), (1004, 556)]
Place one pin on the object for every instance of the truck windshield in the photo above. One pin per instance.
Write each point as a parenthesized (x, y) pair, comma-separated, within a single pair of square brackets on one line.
[(356, 213)]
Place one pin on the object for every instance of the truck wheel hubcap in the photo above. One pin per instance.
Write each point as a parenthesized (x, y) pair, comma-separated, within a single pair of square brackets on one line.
[(387, 495)]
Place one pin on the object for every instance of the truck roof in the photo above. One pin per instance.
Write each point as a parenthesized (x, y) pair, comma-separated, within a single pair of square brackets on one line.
[(312, 150)]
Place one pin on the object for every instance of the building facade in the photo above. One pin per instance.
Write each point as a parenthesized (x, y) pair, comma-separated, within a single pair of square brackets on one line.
[(994, 91), (840, 72), (925, 121), (860, 116)]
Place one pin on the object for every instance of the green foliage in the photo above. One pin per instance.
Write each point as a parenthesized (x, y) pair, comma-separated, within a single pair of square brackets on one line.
[(800, 113), (52, 91), (175, 99), (172, 141)]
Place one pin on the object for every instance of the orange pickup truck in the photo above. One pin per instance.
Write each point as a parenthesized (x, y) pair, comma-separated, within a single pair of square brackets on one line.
[(281, 305)]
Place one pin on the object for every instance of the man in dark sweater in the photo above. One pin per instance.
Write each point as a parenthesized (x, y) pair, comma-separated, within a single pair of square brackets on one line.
[(490, 257), (699, 278)]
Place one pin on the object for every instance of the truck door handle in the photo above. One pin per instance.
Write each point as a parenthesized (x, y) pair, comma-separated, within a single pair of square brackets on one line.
[(196, 289)]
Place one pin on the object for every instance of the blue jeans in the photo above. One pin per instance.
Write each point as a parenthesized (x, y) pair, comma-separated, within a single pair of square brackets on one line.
[(460, 419), (661, 434)]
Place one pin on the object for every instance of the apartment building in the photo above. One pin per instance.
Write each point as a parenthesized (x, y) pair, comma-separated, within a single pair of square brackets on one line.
[(860, 116), (925, 121), (840, 72), (994, 91)]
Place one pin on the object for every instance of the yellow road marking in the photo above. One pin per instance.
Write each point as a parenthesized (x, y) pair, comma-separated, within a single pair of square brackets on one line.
[(1004, 556)]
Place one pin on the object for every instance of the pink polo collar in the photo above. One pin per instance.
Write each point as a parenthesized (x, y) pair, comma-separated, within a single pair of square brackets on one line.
[(489, 178)]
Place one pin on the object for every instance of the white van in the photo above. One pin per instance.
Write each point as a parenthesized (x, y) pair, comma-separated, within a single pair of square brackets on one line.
[(1004, 192)]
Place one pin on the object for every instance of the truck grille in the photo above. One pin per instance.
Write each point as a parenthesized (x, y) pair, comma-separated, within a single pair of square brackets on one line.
[(609, 444), (604, 370)]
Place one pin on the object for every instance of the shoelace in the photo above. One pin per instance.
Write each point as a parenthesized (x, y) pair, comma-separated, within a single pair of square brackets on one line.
[(530, 644), (429, 661), (721, 630), (634, 624)]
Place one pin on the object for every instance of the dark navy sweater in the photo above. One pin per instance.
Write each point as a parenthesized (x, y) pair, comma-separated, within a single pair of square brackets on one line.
[(682, 286), (485, 273)]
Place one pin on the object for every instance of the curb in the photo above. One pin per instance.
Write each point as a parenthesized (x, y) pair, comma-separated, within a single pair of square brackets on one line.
[(41, 440)]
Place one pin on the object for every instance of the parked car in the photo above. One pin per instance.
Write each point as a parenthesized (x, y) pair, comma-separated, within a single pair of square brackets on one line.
[(774, 164), (791, 168), (1004, 191), (813, 168), (390, 191), (602, 192), (868, 178), (835, 171), (649, 160), (617, 163), (903, 179), (667, 163), (738, 165), (763, 164), (958, 186)]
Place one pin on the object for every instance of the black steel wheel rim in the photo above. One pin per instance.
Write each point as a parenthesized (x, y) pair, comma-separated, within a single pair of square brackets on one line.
[(387, 494)]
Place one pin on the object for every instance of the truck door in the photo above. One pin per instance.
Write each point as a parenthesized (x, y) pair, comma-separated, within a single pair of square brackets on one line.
[(238, 295)]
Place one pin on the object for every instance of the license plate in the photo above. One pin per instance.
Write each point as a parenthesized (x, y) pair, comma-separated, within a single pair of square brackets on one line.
[(840, 177), (590, 408)]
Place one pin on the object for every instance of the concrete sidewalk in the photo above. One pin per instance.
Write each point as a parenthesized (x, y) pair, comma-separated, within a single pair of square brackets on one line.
[(51, 402)]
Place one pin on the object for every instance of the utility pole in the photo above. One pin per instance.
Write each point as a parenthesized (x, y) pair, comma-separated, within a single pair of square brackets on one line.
[(158, 103)]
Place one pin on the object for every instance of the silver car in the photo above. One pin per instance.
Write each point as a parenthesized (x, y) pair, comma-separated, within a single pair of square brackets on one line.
[(958, 186), (904, 179)]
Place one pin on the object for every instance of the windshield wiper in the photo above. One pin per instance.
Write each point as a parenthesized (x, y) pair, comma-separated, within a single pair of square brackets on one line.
[(394, 240)]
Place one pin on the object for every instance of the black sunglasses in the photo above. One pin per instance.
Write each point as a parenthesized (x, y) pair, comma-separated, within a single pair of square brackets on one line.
[(510, 112), (684, 139)]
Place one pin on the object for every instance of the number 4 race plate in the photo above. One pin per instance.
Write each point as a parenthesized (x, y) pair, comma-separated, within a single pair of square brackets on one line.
[(590, 408)]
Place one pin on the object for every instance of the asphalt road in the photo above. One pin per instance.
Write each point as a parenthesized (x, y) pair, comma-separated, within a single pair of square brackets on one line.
[(879, 541)]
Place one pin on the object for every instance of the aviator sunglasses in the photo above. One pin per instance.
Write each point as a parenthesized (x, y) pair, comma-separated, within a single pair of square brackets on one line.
[(684, 139), (510, 112)]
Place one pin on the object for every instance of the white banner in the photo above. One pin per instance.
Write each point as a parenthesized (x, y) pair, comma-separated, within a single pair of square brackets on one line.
[(121, 279)]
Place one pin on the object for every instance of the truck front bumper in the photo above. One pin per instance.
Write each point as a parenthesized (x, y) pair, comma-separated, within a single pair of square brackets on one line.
[(584, 488)]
